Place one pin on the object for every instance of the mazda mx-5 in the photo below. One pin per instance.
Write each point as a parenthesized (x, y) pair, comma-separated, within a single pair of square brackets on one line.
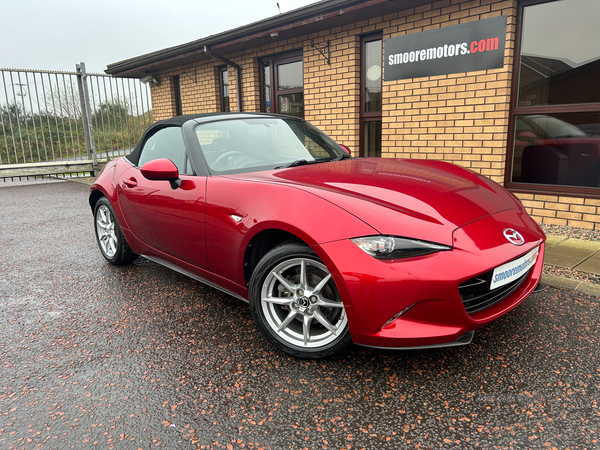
[(326, 248)]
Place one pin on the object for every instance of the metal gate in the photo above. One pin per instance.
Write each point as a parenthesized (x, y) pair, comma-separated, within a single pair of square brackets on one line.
[(67, 123)]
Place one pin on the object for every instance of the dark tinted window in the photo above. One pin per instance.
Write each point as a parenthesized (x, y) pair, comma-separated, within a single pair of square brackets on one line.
[(283, 84), (372, 138), (372, 75), (224, 82), (371, 95), (556, 115), (266, 87), (557, 149)]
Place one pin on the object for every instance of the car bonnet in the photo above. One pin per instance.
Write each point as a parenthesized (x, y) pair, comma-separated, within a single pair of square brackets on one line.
[(415, 198)]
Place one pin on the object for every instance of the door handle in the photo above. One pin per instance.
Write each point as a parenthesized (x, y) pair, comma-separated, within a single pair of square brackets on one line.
[(130, 182)]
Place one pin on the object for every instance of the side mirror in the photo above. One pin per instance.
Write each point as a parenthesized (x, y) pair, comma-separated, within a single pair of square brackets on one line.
[(525, 138), (162, 170)]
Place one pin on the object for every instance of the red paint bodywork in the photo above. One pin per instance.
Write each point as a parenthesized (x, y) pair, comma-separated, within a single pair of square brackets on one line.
[(205, 226), (326, 205)]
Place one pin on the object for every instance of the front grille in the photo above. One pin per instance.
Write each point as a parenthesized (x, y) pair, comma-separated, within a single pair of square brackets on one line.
[(476, 295)]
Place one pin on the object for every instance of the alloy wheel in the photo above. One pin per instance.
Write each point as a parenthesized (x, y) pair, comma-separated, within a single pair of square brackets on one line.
[(105, 228), (302, 305)]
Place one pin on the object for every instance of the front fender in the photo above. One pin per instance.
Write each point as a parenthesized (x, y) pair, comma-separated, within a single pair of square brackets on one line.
[(237, 210), (105, 185)]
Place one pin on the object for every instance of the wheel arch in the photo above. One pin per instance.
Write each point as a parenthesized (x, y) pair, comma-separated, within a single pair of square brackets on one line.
[(292, 321), (105, 185), (95, 195), (261, 244)]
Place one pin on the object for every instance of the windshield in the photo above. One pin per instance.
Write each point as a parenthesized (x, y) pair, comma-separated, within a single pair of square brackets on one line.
[(263, 143)]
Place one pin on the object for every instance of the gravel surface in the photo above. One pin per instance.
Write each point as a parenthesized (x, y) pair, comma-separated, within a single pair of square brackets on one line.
[(139, 357), (571, 274), (572, 232), (575, 233)]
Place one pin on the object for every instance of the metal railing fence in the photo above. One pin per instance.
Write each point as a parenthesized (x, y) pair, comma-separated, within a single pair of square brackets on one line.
[(50, 117)]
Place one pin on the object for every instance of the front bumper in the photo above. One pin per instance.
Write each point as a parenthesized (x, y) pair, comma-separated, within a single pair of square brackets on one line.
[(374, 291)]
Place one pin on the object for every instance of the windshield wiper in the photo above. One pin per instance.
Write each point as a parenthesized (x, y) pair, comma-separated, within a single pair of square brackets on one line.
[(303, 162), (343, 156), (298, 162)]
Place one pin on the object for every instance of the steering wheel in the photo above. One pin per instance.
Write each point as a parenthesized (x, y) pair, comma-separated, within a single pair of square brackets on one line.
[(225, 160)]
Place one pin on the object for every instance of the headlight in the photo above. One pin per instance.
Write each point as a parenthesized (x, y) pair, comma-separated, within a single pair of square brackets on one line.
[(391, 247)]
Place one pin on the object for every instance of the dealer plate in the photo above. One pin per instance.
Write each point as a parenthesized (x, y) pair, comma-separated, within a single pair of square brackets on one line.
[(509, 272)]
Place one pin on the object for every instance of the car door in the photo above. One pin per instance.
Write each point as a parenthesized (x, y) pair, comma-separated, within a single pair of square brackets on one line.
[(170, 221)]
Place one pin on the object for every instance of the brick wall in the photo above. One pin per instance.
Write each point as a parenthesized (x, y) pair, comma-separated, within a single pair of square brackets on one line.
[(461, 118), (334, 90), (331, 92), (163, 98), (563, 210), (199, 84)]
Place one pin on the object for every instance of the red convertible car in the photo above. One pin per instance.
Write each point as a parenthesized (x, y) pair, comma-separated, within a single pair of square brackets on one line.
[(326, 248)]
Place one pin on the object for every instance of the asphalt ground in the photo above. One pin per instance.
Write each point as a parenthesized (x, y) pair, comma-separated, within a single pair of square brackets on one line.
[(95, 356)]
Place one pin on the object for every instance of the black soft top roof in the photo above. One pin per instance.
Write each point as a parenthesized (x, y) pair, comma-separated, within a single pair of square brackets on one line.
[(177, 121)]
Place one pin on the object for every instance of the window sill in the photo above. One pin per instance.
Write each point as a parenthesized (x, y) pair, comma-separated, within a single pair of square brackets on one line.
[(549, 189)]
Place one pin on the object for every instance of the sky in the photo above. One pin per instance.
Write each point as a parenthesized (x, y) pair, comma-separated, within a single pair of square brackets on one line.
[(58, 34)]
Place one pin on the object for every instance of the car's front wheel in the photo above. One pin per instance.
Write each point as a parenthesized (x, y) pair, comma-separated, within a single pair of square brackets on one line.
[(296, 304), (109, 236)]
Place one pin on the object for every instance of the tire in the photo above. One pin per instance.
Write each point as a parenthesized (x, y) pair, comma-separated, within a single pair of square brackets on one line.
[(296, 304), (109, 236)]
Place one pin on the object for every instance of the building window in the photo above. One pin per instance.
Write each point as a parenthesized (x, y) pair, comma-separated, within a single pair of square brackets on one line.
[(370, 80), (177, 89), (555, 117), (282, 87), (224, 86)]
